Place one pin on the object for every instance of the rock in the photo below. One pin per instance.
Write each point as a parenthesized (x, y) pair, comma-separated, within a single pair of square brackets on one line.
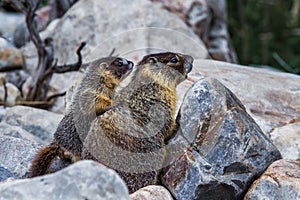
[(82, 180), (11, 59), (13, 94), (21, 35), (5, 174), (17, 132), (40, 123), (208, 20), (280, 181), (4, 43), (2, 112), (125, 26), (287, 140), (151, 192), (9, 22), (271, 98), (17, 77), (17, 154), (227, 149), (128, 32)]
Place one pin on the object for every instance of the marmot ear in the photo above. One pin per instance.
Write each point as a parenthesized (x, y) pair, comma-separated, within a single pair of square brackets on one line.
[(152, 60), (104, 65)]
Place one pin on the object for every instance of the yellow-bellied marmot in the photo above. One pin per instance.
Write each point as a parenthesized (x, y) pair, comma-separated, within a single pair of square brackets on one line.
[(92, 97), (130, 137)]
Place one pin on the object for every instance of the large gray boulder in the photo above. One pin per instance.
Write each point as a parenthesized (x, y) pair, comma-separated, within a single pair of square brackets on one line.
[(270, 97), (225, 150), (82, 180), (137, 28)]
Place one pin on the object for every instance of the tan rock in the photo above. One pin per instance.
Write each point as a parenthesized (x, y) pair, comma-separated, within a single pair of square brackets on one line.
[(280, 181), (151, 192), (287, 140), (11, 59)]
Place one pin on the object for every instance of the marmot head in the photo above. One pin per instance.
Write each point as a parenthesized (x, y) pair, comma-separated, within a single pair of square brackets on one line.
[(117, 66), (177, 61)]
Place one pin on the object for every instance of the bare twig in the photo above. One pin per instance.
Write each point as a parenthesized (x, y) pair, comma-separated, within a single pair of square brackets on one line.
[(55, 96), (283, 64), (38, 85), (71, 67), (112, 52), (5, 94), (65, 68), (44, 50)]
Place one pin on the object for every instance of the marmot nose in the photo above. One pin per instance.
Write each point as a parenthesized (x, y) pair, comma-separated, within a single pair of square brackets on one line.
[(188, 65)]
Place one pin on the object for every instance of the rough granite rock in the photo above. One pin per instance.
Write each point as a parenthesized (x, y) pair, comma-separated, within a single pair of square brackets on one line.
[(5, 174), (227, 152), (280, 181), (82, 180), (271, 98), (151, 192), (40, 123), (16, 154)]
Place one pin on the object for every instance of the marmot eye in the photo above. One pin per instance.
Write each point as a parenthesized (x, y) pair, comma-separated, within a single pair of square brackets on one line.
[(120, 63), (174, 60)]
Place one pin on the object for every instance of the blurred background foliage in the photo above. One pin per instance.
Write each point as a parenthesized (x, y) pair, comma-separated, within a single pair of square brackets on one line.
[(266, 32)]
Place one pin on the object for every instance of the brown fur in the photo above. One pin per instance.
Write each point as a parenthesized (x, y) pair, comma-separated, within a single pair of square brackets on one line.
[(92, 98), (130, 138)]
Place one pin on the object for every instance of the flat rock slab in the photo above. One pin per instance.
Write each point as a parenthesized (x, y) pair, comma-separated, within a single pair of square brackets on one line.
[(227, 150), (280, 181), (82, 180)]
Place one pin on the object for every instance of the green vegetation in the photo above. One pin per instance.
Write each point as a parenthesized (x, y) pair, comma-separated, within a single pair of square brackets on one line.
[(266, 32)]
